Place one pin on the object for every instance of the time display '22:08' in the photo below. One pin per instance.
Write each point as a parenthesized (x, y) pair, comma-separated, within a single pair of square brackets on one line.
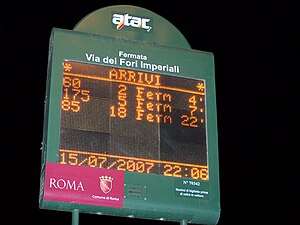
[(132, 120)]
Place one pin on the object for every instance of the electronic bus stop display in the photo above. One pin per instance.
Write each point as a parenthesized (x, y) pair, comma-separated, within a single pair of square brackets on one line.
[(130, 126)]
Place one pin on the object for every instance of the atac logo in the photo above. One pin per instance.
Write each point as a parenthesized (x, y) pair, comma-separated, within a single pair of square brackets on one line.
[(127, 20), (106, 184)]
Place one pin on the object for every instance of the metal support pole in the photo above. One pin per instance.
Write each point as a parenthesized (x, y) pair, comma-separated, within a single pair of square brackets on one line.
[(183, 222), (75, 217)]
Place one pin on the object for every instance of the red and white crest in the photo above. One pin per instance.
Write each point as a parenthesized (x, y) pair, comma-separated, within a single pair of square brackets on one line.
[(106, 184)]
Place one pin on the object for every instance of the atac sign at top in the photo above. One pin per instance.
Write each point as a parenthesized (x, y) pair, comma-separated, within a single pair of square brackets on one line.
[(126, 20)]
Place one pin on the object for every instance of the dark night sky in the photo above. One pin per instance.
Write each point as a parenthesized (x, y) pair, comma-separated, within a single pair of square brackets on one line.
[(256, 48)]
